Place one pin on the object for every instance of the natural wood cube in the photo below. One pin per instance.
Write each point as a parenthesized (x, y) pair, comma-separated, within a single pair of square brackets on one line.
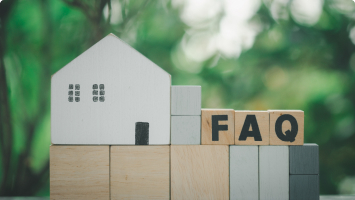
[(251, 127), (286, 127), (217, 126), (199, 172), (79, 172), (140, 172)]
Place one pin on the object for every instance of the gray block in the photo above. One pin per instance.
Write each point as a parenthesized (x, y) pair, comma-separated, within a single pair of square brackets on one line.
[(186, 130), (274, 172), (304, 187), (185, 100), (244, 172), (304, 159)]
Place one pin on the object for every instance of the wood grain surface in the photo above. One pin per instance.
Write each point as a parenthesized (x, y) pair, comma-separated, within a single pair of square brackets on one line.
[(199, 172), (140, 172), (79, 172), (244, 172), (224, 136), (185, 100), (304, 159), (274, 172), (286, 125), (262, 119)]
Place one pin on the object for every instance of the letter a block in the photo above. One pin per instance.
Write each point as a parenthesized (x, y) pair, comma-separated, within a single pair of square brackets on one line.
[(79, 172), (140, 172), (217, 126), (252, 128), (286, 127), (199, 172)]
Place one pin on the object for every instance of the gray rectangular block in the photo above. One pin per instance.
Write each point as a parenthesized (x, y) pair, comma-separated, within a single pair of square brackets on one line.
[(244, 172), (185, 100), (186, 130), (274, 172), (304, 159), (304, 187)]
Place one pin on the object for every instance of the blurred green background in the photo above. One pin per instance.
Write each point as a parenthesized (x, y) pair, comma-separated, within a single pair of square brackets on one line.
[(259, 55)]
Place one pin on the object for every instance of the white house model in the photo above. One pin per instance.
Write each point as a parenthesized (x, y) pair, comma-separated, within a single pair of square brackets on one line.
[(110, 94)]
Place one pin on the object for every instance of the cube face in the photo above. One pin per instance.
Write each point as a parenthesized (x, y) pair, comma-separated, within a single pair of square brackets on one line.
[(252, 128), (185, 100), (244, 172), (186, 130), (304, 159), (274, 172), (286, 127), (140, 172), (217, 126), (79, 172), (305, 187), (199, 172)]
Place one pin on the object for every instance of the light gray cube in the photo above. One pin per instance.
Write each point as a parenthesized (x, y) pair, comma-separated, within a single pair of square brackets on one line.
[(186, 130), (185, 100)]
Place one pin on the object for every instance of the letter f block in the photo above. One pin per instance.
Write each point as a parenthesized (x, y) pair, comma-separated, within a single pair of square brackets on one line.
[(217, 126)]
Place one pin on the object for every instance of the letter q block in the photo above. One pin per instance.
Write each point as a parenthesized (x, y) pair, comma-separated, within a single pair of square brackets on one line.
[(217, 126), (286, 127)]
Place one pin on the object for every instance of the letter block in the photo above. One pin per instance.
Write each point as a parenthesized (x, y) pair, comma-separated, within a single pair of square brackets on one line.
[(79, 172), (217, 126), (199, 172), (251, 127), (286, 127), (140, 172)]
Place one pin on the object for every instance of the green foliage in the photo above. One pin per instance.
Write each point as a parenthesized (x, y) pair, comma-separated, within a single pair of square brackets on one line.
[(289, 66)]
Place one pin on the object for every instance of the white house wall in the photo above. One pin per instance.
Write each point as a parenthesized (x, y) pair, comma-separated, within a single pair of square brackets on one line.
[(136, 90)]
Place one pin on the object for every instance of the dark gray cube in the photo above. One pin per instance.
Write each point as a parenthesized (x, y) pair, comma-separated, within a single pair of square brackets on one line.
[(304, 159), (304, 187)]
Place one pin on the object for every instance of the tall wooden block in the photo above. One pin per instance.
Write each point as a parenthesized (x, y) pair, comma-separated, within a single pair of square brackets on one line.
[(305, 187), (244, 172), (199, 172), (304, 159), (274, 172), (140, 172), (251, 127), (286, 127), (217, 126), (185, 100), (186, 130), (79, 172)]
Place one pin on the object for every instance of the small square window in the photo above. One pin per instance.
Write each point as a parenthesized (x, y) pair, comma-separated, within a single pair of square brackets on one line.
[(95, 92), (77, 99), (70, 93), (94, 86), (77, 87), (102, 86), (102, 98), (70, 86), (70, 99), (77, 93), (102, 92), (95, 98)]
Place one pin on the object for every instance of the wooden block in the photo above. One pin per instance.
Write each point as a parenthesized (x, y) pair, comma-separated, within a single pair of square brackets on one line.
[(217, 126), (185, 100), (186, 130), (251, 127), (117, 87), (244, 172), (79, 172), (305, 187), (199, 172), (140, 172), (274, 172), (286, 127), (304, 159)]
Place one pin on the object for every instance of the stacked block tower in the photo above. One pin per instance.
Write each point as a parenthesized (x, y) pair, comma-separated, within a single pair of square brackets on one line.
[(121, 131)]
